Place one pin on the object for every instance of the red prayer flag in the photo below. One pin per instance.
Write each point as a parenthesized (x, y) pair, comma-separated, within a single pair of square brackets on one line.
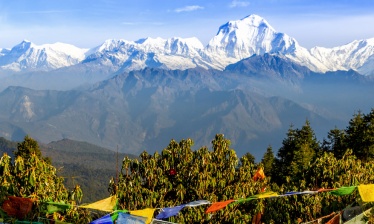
[(17, 206), (334, 220), (218, 205), (325, 189)]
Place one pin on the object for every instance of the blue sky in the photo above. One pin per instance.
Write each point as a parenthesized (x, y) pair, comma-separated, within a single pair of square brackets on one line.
[(326, 23)]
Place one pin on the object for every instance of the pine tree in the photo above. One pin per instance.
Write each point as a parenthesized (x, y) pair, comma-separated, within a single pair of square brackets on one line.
[(335, 142), (268, 161), (360, 135), (298, 149)]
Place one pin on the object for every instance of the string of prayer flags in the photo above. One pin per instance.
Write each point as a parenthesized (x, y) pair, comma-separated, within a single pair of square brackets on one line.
[(170, 211), (343, 191), (107, 204), (148, 213), (218, 205), (366, 192), (198, 203)]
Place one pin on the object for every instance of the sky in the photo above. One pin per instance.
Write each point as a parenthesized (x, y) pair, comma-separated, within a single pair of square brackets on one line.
[(87, 24)]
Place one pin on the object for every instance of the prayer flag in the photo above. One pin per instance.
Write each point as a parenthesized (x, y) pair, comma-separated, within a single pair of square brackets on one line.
[(267, 194), (325, 189), (299, 192), (366, 192), (107, 204), (334, 220), (125, 218), (259, 175), (245, 199), (57, 207), (114, 215), (148, 213), (17, 206), (103, 220), (170, 211), (343, 191), (218, 205), (198, 203)]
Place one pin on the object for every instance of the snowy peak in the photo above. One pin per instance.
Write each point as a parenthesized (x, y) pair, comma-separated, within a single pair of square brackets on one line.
[(28, 56), (356, 55), (234, 41), (248, 36), (172, 53)]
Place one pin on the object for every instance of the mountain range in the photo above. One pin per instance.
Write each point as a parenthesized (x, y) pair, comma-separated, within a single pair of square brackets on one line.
[(249, 82)]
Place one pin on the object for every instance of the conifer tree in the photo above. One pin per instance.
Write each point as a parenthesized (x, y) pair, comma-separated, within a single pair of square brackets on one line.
[(360, 135), (298, 149), (268, 160), (335, 142)]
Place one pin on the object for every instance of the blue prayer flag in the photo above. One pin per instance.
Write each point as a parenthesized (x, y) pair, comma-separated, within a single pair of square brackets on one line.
[(168, 212)]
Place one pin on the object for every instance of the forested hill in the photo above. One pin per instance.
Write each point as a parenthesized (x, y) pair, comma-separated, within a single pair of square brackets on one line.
[(7, 146), (81, 163)]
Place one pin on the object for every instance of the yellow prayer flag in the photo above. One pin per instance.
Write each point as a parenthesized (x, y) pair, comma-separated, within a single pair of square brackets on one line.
[(367, 192), (267, 194), (107, 204), (148, 212)]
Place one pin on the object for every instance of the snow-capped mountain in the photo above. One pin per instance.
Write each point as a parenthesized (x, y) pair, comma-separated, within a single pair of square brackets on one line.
[(234, 41), (243, 38), (27, 56), (350, 56), (173, 53)]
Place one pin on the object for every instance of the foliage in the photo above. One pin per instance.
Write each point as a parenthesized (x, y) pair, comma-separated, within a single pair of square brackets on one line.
[(360, 135), (325, 172), (297, 151), (31, 176), (268, 160), (179, 175)]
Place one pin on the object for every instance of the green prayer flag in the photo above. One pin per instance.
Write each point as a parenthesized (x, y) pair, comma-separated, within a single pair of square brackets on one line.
[(343, 191), (57, 207)]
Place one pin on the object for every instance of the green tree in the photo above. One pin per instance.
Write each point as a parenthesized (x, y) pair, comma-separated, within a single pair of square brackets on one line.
[(268, 161), (360, 135), (335, 142), (248, 157), (31, 176), (28, 147), (298, 149), (328, 172)]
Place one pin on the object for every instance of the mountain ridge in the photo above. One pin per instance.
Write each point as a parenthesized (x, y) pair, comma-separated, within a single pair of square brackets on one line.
[(234, 41), (144, 109)]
